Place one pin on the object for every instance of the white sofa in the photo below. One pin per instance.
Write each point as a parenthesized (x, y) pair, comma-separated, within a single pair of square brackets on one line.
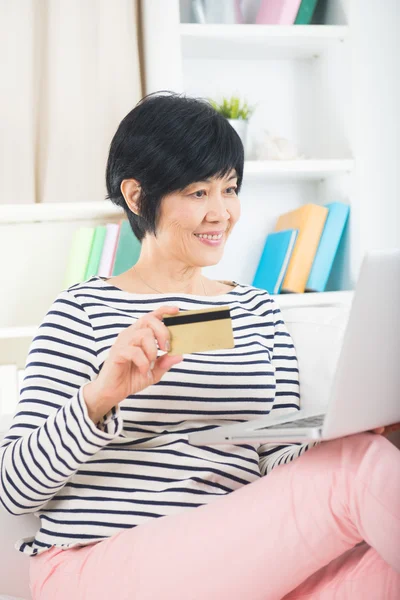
[(317, 334)]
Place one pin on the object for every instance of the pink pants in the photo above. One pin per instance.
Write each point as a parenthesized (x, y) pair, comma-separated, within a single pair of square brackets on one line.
[(325, 526)]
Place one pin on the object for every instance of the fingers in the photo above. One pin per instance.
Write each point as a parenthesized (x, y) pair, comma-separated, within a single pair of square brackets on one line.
[(387, 429), (391, 428), (160, 332), (145, 337), (164, 363), (378, 430), (144, 357), (133, 354), (153, 321), (164, 310)]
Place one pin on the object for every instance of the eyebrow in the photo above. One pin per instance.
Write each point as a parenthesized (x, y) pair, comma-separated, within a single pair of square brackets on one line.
[(235, 176)]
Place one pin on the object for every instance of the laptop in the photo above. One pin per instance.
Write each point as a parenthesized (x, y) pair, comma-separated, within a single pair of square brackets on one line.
[(366, 388)]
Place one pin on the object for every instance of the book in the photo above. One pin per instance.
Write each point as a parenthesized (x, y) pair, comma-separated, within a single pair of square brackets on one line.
[(306, 12), (95, 251), (277, 12), (274, 260), (109, 249), (309, 220), (78, 256), (128, 250), (328, 246)]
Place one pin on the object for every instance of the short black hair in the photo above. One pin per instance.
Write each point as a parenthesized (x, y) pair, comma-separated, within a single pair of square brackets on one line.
[(167, 142)]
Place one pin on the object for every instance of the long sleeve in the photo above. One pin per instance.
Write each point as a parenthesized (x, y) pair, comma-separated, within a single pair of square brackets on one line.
[(51, 434), (287, 394)]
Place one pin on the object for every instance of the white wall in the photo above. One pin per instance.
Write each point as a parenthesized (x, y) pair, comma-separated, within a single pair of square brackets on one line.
[(375, 126)]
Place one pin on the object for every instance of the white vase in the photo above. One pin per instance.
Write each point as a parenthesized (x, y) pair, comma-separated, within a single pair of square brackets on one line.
[(217, 11), (240, 126)]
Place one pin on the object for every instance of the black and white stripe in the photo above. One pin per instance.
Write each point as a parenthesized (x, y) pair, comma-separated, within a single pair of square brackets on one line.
[(86, 483)]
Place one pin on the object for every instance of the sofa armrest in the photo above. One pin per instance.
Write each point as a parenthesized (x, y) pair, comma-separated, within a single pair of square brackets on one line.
[(317, 333)]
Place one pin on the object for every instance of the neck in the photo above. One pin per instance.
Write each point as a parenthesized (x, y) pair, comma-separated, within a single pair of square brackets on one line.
[(167, 274)]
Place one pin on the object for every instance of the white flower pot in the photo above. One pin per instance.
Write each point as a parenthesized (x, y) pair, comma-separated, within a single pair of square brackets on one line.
[(240, 126)]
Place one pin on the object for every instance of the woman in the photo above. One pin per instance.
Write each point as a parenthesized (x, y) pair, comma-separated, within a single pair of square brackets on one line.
[(98, 448)]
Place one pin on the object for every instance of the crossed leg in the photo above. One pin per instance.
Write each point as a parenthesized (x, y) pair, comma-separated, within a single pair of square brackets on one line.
[(274, 537)]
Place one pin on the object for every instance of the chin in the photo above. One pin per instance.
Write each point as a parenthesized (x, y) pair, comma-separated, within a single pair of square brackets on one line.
[(211, 262)]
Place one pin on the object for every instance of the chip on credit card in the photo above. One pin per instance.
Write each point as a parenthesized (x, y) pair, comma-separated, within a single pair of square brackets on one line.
[(200, 330)]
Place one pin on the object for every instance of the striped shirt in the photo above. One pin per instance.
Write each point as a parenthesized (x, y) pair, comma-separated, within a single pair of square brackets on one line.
[(88, 482)]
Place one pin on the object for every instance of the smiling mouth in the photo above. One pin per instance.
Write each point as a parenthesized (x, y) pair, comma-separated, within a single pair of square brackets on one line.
[(203, 236)]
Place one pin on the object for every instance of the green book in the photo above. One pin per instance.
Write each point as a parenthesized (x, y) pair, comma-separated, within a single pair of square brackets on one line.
[(95, 252), (78, 256), (306, 11), (128, 250)]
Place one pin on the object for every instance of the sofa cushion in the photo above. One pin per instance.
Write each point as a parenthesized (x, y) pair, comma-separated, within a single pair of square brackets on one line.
[(14, 566), (317, 334)]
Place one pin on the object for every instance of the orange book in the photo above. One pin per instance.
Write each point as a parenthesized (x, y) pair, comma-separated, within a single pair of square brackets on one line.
[(309, 220)]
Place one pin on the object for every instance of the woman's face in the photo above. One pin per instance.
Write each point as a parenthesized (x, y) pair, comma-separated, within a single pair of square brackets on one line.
[(207, 207)]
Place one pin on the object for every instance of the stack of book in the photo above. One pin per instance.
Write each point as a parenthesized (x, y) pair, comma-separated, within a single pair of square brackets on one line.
[(105, 250), (263, 12), (286, 12), (299, 254)]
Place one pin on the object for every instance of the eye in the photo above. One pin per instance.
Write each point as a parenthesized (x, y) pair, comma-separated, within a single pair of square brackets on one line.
[(230, 193), (231, 190), (198, 192)]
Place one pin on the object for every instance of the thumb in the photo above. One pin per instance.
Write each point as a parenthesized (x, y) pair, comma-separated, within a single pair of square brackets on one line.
[(164, 363)]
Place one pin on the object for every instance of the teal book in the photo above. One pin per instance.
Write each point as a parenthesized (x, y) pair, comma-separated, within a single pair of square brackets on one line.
[(128, 249), (328, 245), (274, 260), (306, 11)]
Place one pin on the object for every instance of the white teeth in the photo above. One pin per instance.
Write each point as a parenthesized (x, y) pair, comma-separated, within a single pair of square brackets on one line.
[(209, 237)]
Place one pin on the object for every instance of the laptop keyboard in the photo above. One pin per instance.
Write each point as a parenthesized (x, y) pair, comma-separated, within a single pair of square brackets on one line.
[(314, 421)]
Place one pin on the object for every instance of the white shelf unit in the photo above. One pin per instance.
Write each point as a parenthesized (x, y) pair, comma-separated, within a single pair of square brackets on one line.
[(255, 42), (296, 170), (330, 88), (298, 78), (13, 214)]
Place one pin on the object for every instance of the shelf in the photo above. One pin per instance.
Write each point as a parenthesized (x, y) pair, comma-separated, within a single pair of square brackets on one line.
[(12, 333), (235, 42), (293, 170), (53, 211)]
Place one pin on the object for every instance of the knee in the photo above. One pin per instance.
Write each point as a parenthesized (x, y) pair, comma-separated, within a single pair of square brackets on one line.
[(364, 447), (351, 451)]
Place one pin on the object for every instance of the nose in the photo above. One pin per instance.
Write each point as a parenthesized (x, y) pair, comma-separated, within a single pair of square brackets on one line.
[(217, 210)]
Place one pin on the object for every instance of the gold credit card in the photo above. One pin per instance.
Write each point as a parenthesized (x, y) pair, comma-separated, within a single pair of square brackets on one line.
[(200, 330)]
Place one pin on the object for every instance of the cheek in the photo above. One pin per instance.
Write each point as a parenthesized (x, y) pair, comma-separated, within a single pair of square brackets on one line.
[(177, 221), (177, 216), (181, 225), (186, 219)]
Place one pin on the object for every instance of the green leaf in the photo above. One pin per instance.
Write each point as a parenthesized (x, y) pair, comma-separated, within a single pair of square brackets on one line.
[(233, 108)]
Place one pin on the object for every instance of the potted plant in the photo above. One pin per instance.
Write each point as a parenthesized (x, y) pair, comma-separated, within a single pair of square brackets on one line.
[(237, 112)]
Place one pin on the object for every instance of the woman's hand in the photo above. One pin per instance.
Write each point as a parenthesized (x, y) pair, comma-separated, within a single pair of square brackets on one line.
[(132, 364), (387, 429)]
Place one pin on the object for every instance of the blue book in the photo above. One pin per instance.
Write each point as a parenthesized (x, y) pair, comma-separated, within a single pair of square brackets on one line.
[(328, 245), (274, 260)]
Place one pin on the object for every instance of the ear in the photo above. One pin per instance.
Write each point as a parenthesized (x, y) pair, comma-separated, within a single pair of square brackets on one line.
[(131, 190)]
